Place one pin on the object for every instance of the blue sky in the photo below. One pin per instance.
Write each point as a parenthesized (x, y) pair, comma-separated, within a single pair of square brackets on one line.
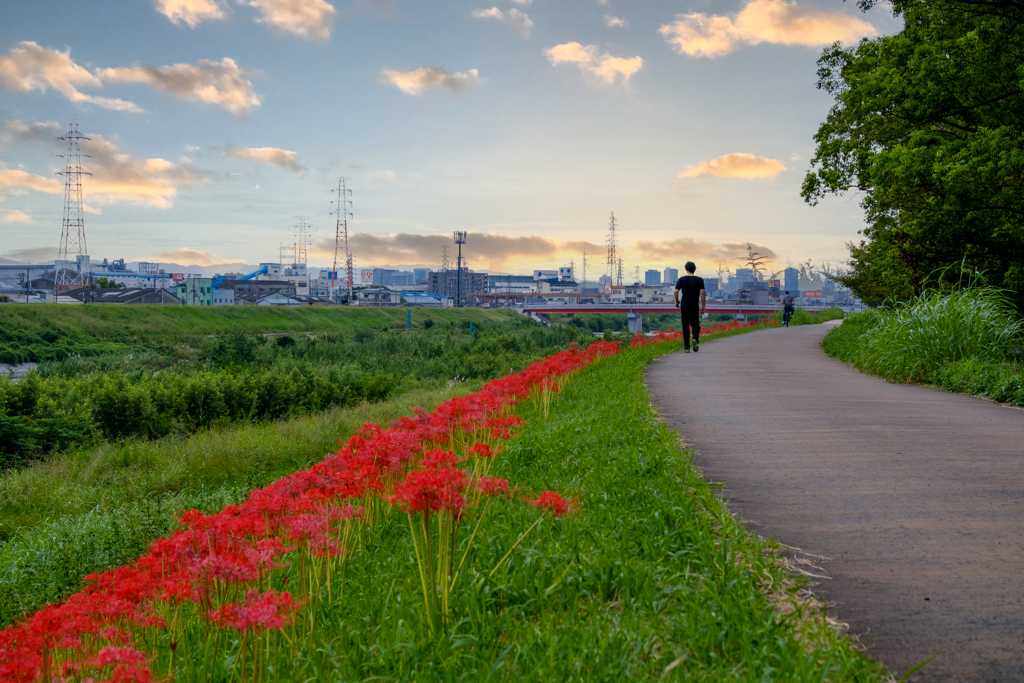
[(215, 124)]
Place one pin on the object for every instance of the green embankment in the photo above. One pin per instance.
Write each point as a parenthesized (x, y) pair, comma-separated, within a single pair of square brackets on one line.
[(87, 512), (41, 332), (970, 341)]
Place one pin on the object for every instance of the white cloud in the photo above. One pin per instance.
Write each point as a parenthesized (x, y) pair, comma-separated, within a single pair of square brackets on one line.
[(193, 148), (284, 158), (762, 21), (28, 67), (387, 176), (14, 216), (794, 157), (16, 132), (524, 3), (305, 18), (612, 21), (91, 210), (738, 165), (603, 68), (519, 21), (222, 83), (691, 249), (191, 12), (429, 78)]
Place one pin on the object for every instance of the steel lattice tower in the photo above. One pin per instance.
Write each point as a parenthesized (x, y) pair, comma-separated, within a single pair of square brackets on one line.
[(613, 256), (341, 235), (72, 233)]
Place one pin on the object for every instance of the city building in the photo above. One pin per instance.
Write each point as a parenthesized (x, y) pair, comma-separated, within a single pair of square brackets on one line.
[(544, 274), (743, 276), (445, 282), (710, 286), (121, 295), (420, 275), (222, 297), (791, 281), (652, 278), (258, 287), (376, 296), (195, 291), (670, 276), (388, 277), (511, 283)]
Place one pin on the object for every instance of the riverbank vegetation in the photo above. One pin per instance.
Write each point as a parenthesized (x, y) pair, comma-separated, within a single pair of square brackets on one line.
[(928, 128), (968, 341), (194, 382), (568, 539)]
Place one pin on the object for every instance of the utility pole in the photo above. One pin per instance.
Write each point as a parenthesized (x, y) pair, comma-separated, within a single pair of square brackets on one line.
[(460, 239), (301, 241), (618, 274), (72, 233), (584, 282), (342, 214)]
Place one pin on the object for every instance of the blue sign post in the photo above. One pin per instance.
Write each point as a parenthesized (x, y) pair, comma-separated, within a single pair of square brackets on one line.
[(408, 319)]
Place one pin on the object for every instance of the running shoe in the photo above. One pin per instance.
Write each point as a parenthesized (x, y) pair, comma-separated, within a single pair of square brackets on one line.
[(686, 349), (696, 347)]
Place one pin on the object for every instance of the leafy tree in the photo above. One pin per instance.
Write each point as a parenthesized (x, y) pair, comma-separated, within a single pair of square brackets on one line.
[(755, 261), (929, 125)]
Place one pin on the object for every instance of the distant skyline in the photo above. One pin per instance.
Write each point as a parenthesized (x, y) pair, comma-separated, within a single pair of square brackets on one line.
[(216, 124)]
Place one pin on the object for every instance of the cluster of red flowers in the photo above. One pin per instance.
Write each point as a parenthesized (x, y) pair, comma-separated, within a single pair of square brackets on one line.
[(676, 335), (218, 567)]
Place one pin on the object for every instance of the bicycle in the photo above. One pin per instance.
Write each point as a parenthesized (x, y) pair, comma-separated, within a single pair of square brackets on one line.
[(787, 315)]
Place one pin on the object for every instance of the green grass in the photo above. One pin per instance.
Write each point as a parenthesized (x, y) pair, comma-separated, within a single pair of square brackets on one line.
[(802, 317), (969, 341), (651, 570), (91, 511)]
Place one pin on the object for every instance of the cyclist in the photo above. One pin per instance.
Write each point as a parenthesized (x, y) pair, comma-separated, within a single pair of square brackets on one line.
[(787, 308)]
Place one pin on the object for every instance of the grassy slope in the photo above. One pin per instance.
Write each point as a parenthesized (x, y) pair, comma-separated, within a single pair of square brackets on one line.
[(92, 511), (999, 380), (146, 322), (651, 573)]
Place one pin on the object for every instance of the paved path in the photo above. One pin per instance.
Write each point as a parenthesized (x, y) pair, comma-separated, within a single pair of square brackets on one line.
[(916, 495)]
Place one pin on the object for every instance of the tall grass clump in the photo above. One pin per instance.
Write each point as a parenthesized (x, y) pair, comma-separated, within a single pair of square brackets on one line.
[(914, 339)]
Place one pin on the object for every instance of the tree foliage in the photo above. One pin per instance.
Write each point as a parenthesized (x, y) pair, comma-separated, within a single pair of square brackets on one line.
[(929, 125)]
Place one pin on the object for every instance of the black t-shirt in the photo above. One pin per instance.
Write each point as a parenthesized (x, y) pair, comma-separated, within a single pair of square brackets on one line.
[(689, 287)]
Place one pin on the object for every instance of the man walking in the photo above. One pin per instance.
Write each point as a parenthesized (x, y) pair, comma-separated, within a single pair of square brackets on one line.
[(694, 302)]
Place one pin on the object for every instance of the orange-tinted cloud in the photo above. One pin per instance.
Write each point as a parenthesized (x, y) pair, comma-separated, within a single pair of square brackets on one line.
[(222, 83), (687, 249), (601, 68), (191, 12), (189, 257), (738, 165), (283, 158), (118, 177), (762, 21), (14, 216), (520, 21), (429, 78), (17, 182), (304, 18), (28, 67)]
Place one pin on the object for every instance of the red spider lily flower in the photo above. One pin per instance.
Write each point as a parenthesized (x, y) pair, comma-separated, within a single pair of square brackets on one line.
[(551, 501), (482, 450), (436, 459), (431, 491), (268, 611), (493, 486), (130, 665)]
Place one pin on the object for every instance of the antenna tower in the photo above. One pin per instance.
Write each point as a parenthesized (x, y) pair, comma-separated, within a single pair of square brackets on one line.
[(613, 256), (72, 232), (301, 241), (460, 239), (584, 282), (618, 274), (341, 236)]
